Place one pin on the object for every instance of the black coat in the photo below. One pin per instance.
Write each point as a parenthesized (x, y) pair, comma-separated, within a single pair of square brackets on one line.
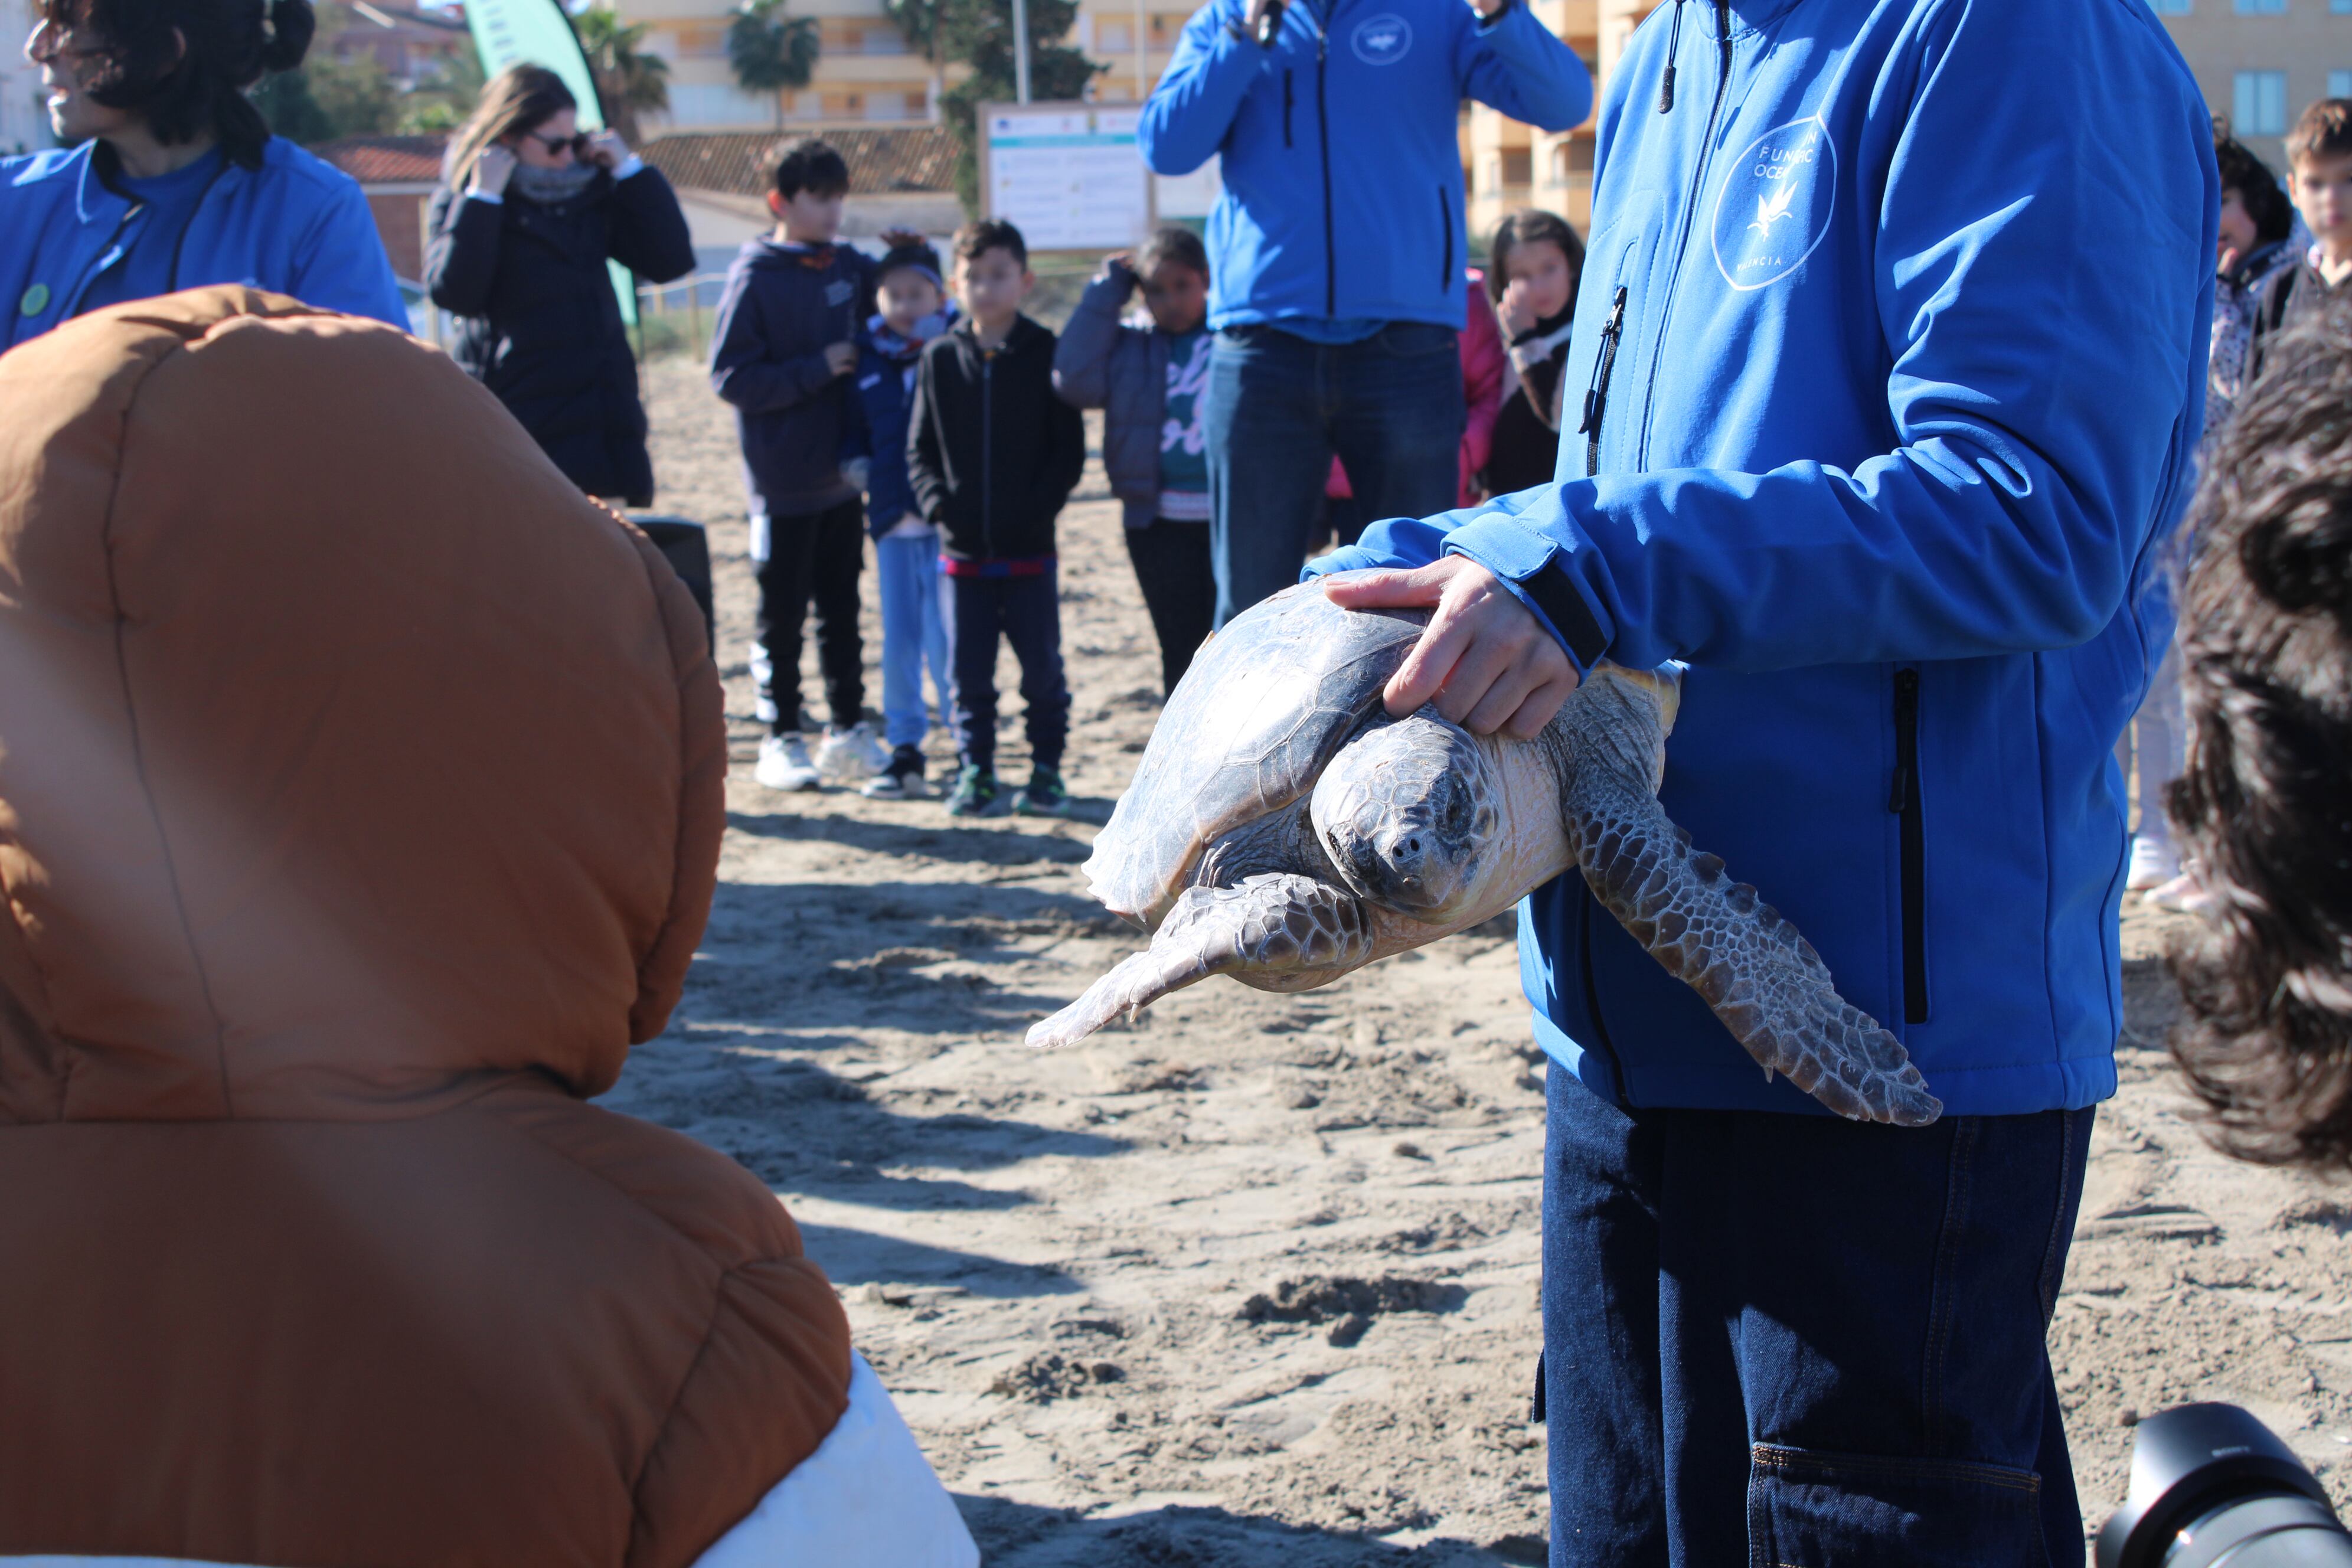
[(993, 452), (542, 329)]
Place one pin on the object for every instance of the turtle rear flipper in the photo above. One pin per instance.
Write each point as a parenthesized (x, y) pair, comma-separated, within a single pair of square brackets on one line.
[(1276, 924), (1763, 980)]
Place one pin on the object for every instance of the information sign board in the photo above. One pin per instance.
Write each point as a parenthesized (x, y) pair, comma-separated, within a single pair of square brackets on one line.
[(1069, 176)]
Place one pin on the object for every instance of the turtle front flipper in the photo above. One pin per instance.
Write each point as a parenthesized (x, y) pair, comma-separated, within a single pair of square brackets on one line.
[(1279, 924), (1762, 979)]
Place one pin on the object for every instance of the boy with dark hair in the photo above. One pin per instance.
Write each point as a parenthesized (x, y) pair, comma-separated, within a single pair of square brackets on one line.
[(993, 455), (2319, 179), (782, 354), (912, 311)]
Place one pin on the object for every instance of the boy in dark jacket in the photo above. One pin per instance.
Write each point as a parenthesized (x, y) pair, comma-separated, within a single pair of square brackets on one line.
[(782, 354), (993, 455), (913, 312)]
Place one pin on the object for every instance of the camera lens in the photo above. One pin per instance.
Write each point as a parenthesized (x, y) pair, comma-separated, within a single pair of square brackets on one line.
[(2212, 1488)]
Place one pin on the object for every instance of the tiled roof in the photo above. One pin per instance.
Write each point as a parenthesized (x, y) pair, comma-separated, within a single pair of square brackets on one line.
[(385, 160), (882, 161)]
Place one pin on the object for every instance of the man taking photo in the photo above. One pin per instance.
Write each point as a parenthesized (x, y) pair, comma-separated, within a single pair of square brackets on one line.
[(1885, 388), (1335, 253)]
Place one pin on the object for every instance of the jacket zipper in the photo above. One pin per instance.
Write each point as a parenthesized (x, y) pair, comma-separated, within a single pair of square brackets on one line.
[(1905, 801), (1690, 214), (1445, 227), (987, 446), (133, 210), (1290, 97), (1596, 397), (1323, 126)]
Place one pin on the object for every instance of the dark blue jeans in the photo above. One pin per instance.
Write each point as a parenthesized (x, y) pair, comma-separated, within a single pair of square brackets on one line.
[(1792, 1342), (1279, 407), (1027, 612)]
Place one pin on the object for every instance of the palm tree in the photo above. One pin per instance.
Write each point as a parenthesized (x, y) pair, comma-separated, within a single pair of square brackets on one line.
[(772, 51), (629, 81)]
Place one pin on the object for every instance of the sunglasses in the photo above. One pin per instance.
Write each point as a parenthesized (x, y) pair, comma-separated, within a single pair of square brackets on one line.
[(576, 144)]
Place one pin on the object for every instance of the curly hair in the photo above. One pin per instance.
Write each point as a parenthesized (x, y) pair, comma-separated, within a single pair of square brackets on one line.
[(2265, 804)]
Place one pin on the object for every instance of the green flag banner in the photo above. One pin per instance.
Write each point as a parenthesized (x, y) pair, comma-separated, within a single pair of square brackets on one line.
[(538, 33)]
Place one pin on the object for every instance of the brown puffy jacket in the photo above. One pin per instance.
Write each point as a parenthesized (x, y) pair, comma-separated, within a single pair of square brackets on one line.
[(360, 807)]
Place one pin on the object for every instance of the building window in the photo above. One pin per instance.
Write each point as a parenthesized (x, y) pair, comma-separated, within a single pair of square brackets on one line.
[(1518, 166), (2171, 7), (2257, 103), (885, 106), (2261, 7), (2339, 84), (1113, 37)]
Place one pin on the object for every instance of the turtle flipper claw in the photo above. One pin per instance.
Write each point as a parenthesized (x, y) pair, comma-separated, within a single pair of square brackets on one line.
[(1763, 980), (1274, 924)]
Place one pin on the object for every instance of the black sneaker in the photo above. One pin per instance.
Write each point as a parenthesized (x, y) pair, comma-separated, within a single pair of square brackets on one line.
[(1045, 796), (902, 780), (975, 794)]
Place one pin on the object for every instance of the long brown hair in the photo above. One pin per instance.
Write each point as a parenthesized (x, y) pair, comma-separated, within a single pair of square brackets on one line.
[(519, 99)]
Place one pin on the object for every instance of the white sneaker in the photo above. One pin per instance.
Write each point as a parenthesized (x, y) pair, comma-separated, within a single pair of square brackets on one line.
[(852, 755), (785, 764), (2153, 862)]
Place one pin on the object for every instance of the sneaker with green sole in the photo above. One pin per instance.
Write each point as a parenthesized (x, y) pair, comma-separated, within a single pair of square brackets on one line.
[(975, 793), (1045, 796)]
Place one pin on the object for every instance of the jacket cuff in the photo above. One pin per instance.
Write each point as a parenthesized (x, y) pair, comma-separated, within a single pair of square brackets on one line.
[(490, 197), (1534, 568), (631, 164)]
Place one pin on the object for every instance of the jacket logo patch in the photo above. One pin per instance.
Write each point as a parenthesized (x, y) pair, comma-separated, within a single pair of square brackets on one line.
[(1774, 206), (838, 292), (1381, 40)]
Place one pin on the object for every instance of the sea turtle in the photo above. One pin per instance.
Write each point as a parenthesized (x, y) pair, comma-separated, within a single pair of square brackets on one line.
[(1283, 830)]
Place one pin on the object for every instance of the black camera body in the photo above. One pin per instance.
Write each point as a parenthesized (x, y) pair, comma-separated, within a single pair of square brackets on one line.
[(2213, 1488)]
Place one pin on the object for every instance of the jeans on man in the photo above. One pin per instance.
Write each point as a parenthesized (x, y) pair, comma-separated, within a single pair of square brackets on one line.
[(1026, 610), (1783, 1339), (1391, 406), (914, 634), (816, 556)]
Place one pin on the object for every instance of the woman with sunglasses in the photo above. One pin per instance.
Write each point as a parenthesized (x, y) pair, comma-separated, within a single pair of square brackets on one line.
[(167, 177), (530, 211)]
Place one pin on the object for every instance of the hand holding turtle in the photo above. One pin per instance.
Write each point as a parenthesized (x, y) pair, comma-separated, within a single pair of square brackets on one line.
[(1485, 661)]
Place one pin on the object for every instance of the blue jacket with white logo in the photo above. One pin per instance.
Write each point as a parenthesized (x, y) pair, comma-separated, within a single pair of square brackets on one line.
[(1895, 333), (1342, 172), (295, 225)]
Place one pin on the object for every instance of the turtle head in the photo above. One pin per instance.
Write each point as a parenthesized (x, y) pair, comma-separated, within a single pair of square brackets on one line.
[(1407, 811)]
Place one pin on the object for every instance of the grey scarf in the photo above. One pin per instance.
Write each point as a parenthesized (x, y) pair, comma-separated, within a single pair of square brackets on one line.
[(551, 187)]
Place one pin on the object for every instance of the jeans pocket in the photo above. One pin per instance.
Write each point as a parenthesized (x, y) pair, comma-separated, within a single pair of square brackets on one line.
[(1810, 1508)]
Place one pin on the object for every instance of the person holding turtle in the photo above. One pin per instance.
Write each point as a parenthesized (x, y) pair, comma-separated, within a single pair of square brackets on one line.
[(167, 177), (1862, 430)]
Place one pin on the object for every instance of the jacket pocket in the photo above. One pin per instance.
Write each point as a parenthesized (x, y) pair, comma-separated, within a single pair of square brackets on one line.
[(1810, 1509), (1290, 97), (1445, 229), (1905, 800)]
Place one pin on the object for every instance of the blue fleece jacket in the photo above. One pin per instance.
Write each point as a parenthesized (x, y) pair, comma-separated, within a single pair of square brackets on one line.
[(1894, 327), (1338, 149), (295, 225)]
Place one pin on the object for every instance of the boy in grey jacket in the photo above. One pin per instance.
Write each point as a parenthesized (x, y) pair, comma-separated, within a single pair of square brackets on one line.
[(1149, 382)]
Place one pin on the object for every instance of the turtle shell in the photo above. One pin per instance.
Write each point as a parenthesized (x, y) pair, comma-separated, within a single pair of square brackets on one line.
[(1267, 703)]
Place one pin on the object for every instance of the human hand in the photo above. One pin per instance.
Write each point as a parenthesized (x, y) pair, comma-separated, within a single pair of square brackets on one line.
[(1120, 266), (2227, 262), (841, 358), (1486, 660), (492, 169), (605, 147), (1517, 315)]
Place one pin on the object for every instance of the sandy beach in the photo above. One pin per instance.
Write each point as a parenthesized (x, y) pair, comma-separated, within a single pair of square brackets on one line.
[(1255, 1281)]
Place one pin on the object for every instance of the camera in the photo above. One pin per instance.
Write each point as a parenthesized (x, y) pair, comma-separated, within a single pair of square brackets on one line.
[(2212, 1488)]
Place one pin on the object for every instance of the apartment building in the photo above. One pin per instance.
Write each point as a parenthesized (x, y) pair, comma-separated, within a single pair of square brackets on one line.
[(866, 72), (2260, 61)]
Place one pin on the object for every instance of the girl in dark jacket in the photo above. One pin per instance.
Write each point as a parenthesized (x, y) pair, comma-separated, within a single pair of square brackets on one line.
[(1533, 264), (521, 231)]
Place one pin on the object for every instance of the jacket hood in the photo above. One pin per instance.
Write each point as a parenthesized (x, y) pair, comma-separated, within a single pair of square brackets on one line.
[(349, 760), (767, 252)]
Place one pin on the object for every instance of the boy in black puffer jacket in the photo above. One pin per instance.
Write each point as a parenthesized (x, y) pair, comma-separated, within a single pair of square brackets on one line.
[(993, 455)]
